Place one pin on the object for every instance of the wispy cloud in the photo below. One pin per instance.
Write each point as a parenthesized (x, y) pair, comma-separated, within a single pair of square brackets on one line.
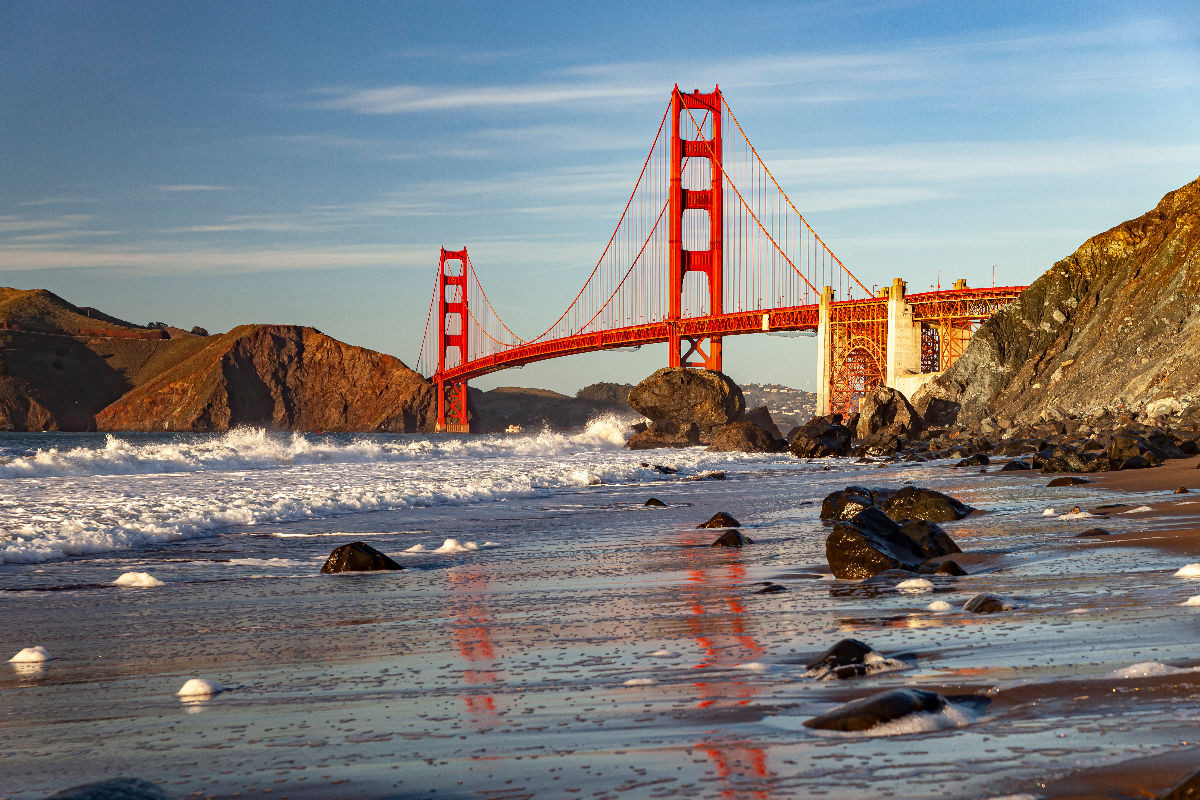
[(191, 187), (55, 201), (19, 223), (410, 98)]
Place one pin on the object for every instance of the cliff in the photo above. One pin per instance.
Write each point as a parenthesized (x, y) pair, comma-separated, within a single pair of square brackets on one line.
[(284, 377), (1116, 325)]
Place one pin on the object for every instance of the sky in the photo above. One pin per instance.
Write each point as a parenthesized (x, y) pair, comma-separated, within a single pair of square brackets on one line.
[(219, 163)]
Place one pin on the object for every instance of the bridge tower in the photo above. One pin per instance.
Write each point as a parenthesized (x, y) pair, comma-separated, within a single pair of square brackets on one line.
[(697, 105), (452, 335)]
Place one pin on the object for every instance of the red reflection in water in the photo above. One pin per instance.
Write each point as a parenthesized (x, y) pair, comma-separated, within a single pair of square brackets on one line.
[(718, 624), (472, 636)]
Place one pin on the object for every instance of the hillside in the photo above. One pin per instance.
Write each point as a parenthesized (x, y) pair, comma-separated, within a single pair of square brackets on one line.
[(285, 377), (1114, 326)]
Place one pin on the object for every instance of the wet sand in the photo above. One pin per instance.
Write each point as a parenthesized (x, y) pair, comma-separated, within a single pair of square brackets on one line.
[(603, 650)]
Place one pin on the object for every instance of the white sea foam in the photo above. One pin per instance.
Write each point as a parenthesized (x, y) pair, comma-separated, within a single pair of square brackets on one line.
[(1138, 510), (1188, 571), (915, 586), (417, 548), (640, 682), (1194, 600), (939, 605), (1049, 512), (138, 580), (953, 715), (127, 492), (455, 546), (1075, 515), (1149, 669), (753, 666), (31, 655), (200, 687)]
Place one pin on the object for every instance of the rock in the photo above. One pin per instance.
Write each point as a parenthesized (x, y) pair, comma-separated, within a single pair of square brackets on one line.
[(821, 437), (868, 544), (692, 402), (720, 520), (708, 475), (977, 460), (1187, 788), (849, 658), (877, 709), (1092, 533), (1182, 490), (912, 502), (1069, 481), (732, 539), (947, 567), (885, 408), (357, 557), (651, 439), (883, 442), (661, 468), (930, 539), (742, 437), (771, 588), (654, 502), (1015, 465), (761, 416), (846, 503), (1135, 462), (983, 603), (114, 789)]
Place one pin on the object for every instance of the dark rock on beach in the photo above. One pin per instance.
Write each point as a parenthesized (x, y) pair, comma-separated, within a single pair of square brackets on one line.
[(357, 557), (684, 406), (877, 709), (868, 544), (742, 437), (114, 789), (732, 539), (847, 502), (720, 520), (915, 503), (929, 538), (654, 502), (1092, 533), (983, 603), (1068, 481), (1188, 788), (821, 437)]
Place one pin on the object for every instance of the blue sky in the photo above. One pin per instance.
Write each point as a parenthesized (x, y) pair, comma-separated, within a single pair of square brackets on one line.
[(217, 163)]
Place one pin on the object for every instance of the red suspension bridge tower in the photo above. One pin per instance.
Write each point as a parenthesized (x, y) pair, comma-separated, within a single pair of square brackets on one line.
[(452, 413)]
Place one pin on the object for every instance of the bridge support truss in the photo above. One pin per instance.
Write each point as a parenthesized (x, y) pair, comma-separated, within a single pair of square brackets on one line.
[(453, 414), (695, 351)]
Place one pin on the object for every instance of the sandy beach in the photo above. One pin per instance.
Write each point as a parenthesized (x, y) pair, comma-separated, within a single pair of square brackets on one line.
[(599, 648)]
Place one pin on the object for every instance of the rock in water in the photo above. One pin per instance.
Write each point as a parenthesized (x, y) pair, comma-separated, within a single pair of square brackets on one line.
[(914, 503), (846, 503), (983, 603), (741, 437), (868, 544), (930, 539), (1188, 788), (887, 408), (720, 520), (732, 539), (821, 437), (1068, 481), (686, 405), (877, 709), (357, 557), (114, 789), (654, 502)]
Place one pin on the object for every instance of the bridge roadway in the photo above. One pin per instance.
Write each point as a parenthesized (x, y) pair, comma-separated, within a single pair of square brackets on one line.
[(961, 304)]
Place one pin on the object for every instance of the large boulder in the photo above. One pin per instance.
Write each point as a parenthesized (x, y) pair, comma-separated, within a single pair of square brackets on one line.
[(357, 557), (761, 416), (912, 502), (847, 502), (675, 398), (870, 543), (821, 437), (886, 408), (877, 709), (742, 437)]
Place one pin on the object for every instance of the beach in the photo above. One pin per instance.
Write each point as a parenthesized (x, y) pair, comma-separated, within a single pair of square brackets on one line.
[(576, 643)]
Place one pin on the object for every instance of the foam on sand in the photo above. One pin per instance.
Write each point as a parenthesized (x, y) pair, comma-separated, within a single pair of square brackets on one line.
[(939, 605), (138, 580), (915, 586), (1188, 571), (1194, 600), (455, 546), (200, 687), (640, 682), (1049, 512), (1149, 669), (1138, 510), (31, 655)]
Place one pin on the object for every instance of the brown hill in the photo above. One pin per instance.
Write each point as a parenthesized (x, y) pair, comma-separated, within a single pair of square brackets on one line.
[(60, 364), (285, 377), (493, 411), (1115, 325)]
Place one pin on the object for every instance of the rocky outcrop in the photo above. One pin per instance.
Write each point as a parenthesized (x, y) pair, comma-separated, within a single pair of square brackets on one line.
[(684, 406), (1128, 297), (533, 409), (821, 437), (742, 437), (357, 557), (283, 377), (887, 409)]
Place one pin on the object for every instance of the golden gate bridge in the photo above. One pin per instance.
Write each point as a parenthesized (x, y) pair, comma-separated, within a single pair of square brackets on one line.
[(707, 246)]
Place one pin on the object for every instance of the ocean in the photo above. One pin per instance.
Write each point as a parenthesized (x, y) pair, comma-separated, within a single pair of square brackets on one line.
[(551, 635)]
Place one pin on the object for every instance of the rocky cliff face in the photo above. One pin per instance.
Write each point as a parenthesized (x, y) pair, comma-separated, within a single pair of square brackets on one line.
[(284, 377), (1116, 324)]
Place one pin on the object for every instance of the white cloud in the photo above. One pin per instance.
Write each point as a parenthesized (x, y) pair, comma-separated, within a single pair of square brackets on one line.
[(191, 187)]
